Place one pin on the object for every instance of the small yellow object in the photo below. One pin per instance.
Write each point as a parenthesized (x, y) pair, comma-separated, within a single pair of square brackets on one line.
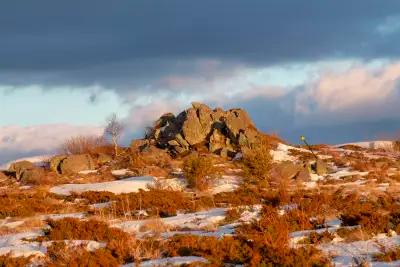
[(302, 138)]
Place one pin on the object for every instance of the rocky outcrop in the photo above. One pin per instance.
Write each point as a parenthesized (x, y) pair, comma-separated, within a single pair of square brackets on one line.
[(221, 132), (72, 164)]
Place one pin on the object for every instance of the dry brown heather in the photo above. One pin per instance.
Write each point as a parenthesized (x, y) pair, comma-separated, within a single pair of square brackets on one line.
[(92, 145), (30, 203), (9, 261), (260, 243), (120, 246)]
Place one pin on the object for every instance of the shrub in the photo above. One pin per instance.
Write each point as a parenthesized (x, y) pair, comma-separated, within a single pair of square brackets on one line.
[(82, 145), (15, 204), (59, 254), (8, 260), (370, 220), (198, 171), (257, 162)]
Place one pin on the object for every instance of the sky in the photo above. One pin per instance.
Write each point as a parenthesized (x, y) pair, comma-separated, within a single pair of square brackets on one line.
[(327, 69)]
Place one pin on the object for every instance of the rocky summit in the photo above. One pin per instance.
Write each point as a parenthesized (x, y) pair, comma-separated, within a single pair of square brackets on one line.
[(221, 132)]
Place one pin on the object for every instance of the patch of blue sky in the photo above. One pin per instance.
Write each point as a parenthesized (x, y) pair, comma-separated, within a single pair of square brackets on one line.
[(32, 105)]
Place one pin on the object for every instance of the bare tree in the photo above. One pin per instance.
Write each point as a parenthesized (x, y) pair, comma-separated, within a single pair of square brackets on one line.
[(113, 130)]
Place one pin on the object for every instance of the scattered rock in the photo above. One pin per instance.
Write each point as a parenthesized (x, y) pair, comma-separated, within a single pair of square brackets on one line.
[(290, 170)]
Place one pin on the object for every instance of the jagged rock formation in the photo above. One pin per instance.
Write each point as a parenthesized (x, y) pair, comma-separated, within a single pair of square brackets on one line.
[(222, 132)]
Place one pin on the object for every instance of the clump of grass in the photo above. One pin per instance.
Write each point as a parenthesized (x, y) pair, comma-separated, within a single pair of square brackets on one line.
[(198, 171), (83, 144)]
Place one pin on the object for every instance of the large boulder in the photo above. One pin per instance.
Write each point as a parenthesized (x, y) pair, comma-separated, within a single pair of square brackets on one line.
[(18, 168), (32, 175), (290, 170), (76, 163), (69, 164)]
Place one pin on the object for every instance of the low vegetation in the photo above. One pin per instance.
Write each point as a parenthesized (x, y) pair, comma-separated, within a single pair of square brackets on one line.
[(199, 171), (261, 243), (257, 162), (84, 144), (17, 204)]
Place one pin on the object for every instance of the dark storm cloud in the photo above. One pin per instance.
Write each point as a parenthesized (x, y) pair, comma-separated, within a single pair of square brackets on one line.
[(71, 35)]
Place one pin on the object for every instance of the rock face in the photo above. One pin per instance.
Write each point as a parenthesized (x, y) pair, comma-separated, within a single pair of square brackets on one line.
[(222, 132), (71, 164)]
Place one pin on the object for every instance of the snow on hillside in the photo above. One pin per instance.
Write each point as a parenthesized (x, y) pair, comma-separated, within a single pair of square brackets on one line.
[(128, 185), (371, 144)]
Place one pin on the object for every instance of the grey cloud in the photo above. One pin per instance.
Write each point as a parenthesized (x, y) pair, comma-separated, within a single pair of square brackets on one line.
[(77, 35)]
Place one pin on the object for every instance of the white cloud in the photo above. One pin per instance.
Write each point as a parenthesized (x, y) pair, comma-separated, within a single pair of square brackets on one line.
[(18, 140), (361, 92)]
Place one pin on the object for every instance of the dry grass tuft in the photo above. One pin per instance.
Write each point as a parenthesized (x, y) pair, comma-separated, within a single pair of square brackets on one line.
[(82, 144)]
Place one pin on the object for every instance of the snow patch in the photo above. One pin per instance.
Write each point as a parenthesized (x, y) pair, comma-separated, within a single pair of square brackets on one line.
[(128, 185), (227, 183), (196, 220)]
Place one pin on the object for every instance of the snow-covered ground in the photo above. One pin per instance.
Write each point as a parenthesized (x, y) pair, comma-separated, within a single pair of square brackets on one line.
[(18, 246), (128, 185), (371, 144), (226, 183), (195, 221), (347, 254)]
